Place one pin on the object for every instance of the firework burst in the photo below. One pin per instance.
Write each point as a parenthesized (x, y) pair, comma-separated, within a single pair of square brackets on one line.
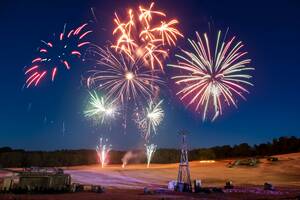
[(212, 74), (100, 109), (102, 151), (56, 54), (149, 119), (150, 150), (122, 79), (146, 34)]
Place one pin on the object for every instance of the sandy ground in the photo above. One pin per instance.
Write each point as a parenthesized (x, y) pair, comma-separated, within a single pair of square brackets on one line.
[(128, 182)]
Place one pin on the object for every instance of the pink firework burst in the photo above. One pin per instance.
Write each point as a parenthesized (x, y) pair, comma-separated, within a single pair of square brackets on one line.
[(56, 54), (212, 73)]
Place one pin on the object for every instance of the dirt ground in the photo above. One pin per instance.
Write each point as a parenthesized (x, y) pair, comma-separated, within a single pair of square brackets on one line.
[(128, 182), (128, 194), (285, 173)]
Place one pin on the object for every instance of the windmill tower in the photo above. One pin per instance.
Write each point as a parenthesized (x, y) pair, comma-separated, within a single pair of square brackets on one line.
[(184, 183)]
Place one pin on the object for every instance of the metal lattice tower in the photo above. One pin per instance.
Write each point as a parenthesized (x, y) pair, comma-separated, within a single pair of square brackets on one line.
[(184, 169)]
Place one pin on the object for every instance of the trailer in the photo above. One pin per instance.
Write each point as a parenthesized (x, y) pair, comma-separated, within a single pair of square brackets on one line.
[(36, 180), (43, 180)]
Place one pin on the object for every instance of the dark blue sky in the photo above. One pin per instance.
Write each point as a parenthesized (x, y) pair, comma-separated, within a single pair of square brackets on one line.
[(33, 118)]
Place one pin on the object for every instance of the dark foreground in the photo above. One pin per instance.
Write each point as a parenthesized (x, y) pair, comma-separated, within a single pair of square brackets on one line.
[(250, 192)]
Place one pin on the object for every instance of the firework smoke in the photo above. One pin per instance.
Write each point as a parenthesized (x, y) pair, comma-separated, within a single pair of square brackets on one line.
[(129, 155)]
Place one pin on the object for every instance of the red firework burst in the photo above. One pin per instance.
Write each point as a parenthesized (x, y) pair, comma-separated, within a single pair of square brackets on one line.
[(56, 54)]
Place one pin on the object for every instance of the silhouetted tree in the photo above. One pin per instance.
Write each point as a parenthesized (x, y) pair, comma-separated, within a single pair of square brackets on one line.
[(21, 158)]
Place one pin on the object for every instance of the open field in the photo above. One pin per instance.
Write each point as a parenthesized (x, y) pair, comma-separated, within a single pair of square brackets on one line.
[(285, 172), (129, 182)]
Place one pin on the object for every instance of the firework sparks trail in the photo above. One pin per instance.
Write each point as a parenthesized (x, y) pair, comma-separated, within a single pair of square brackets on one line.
[(55, 54), (150, 150), (212, 74), (121, 78), (29, 107), (94, 16), (100, 109), (141, 36), (149, 119), (63, 128), (102, 151)]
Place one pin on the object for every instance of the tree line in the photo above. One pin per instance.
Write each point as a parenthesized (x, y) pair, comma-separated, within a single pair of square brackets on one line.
[(20, 158)]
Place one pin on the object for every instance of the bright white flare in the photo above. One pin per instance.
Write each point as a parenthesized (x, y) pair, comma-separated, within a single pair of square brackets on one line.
[(150, 150), (129, 76), (100, 108), (149, 119), (102, 151), (212, 75)]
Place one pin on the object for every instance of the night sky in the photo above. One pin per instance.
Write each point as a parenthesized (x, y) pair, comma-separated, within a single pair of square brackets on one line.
[(51, 116)]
